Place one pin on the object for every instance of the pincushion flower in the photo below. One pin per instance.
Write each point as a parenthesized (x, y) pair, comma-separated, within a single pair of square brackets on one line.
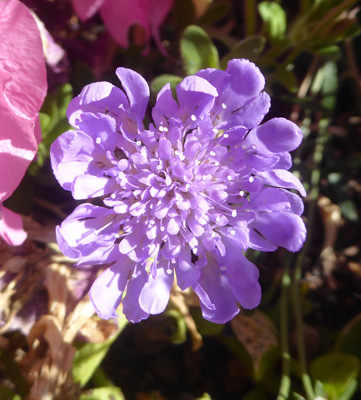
[(23, 88), (182, 200)]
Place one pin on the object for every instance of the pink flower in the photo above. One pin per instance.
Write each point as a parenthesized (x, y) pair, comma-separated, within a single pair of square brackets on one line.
[(120, 15), (23, 88)]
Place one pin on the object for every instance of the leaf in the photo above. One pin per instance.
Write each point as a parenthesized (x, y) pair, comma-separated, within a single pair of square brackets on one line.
[(205, 396), (249, 48), (157, 84), (90, 355), (274, 18), (197, 50), (176, 324), (349, 339), (338, 374), (258, 335), (104, 393), (214, 13)]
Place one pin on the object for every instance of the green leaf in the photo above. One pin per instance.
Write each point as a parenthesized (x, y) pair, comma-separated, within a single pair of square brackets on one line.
[(104, 393), (249, 48), (214, 13), (157, 84), (205, 396), (256, 394), (349, 339), (338, 374), (197, 50), (177, 325), (274, 18), (331, 52), (90, 355)]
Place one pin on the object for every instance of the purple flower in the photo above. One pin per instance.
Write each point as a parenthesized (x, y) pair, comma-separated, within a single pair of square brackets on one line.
[(183, 199)]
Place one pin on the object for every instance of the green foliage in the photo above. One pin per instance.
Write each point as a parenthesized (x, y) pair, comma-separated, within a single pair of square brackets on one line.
[(274, 18), (349, 339), (197, 50), (103, 393), (249, 48), (89, 356), (338, 374), (161, 80), (53, 122)]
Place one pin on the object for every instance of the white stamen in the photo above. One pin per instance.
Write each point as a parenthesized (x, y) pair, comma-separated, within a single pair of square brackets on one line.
[(165, 129), (218, 219), (224, 106), (195, 250), (229, 177), (234, 213), (241, 193), (162, 229), (182, 156), (187, 186), (113, 196), (226, 136), (161, 128), (223, 268), (214, 234), (98, 140), (176, 152), (138, 142), (169, 271), (233, 232), (215, 130), (216, 163), (193, 117), (117, 236), (251, 179), (212, 153)]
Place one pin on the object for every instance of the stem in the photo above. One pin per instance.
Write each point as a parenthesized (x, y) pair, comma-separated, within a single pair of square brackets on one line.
[(285, 385), (296, 301), (250, 17)]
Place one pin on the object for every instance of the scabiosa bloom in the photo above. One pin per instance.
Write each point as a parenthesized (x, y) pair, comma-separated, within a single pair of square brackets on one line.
[(183, 199)]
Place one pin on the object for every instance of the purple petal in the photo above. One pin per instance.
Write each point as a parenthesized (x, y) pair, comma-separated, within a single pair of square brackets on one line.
[(99, 97), (246, 83), (243, 280), (131, 307), (136, 89), (107, 290), (281, 229), (216, 287), (187, 273), (276, 136), (154, 296), (283, 179)]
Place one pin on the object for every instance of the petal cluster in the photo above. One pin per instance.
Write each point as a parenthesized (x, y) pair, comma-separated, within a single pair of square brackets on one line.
[(183, 199), (23, 88)]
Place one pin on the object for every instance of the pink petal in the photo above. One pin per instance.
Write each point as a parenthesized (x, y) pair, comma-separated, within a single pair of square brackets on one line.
[(86, 8), (119, 16), (21, 55), (17, 143), (11, 227)]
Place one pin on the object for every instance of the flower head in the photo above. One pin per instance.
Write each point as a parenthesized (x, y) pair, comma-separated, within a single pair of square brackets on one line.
[(183, 199)]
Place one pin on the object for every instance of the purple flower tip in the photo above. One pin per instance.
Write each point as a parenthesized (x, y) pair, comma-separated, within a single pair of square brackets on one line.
[(183, 199)]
